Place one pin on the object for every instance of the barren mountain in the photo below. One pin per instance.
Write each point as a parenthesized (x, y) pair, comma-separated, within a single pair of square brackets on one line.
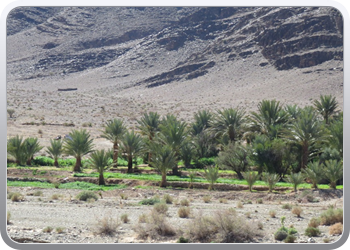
[(125, 61)]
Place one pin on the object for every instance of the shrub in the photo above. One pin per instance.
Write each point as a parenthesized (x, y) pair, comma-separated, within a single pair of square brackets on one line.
[(201, 229), (211, 174), (223, 200), (161, 208), (38, 193), (239, 204), (331, 216), (206, 198), (312, 232), (155, 225), (168, 199), (272, 213), (123, 196), (182, 240), (292, 230), (184, 202), (15, 196), (314, 222), (184, 212), (55, 196), (47, 230), (290, 239), (85, 195), (287, 206), (59, 230), (124, 218), (297, 211), (259, 201), (336, 229), (280, 235), (143, 218), (106, 226), (150, 201)]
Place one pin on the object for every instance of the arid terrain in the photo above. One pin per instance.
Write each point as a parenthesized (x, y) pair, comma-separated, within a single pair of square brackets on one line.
[(168, 60)]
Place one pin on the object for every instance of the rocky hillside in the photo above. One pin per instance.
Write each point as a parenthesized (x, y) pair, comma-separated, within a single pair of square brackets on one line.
[(172, 58)]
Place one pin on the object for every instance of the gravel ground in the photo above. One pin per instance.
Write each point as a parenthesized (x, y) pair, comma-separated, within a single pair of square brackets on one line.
[(79, 219)]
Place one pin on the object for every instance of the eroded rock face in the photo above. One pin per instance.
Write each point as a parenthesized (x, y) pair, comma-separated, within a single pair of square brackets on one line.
[(74, 39)]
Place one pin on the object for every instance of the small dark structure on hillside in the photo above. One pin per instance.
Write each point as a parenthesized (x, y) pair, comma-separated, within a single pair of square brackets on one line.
[(68, 89)]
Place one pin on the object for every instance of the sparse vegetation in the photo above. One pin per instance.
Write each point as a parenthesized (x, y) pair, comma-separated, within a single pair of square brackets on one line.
[(85, 195), (183, 212), (106, 226), (312, 232)]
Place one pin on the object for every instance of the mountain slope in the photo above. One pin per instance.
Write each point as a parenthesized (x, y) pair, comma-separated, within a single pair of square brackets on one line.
[(168, 59)]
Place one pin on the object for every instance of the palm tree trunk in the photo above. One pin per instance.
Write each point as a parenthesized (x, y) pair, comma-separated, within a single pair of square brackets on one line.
[(175, 170), (56, 162), (129, 164), (239, 174), (101, 180), (163, 183), (115, 154), (77, 165), (305, 155), (29, 162)]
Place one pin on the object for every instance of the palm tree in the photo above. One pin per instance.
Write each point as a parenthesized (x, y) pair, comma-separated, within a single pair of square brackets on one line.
[(271, 180), (163, 160), (336, 134), (149, 126), (114, 131), (327, 106), (333, 171), (314, 172), (234, 157), (202, 121), (229, 122), (251, 178), (173, 133), (78, 144), (296, 179), (308, 134), (99, 160), (31, 147), (211, 173), (16, 149), (270, 119), (55, 150), (132, 145)]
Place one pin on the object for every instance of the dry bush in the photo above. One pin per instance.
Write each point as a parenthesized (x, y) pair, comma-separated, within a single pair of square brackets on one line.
[(331, 216), (206, 198), (297, 211), (259, 201), (184, 212), (168, 199), (336, 229), (223, 200), (239, 205), (55, 196), (223, 227), (59, 230), (156, 225), (124, 218), (15, 196), (38, 193), (47, 230), (287, 206), (8, 217), (184, 202), (272, 213), (106, 226), (143, 218), (161, 208), (314, 222)]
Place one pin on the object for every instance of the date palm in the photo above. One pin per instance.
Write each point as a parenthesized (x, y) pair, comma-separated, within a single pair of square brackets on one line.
[(16, 149), (78, 144), (229, 122), (314, 172), (114, 131), (55, 150), (251, 178), (31, 146), (270, 119), (99, 160), (296, 179), (132, 146), (149, 126), (307, 133), (173, 133), (202, 121), (163, 160), (271, 180), (327, 106), (211, 174), (333, 171)]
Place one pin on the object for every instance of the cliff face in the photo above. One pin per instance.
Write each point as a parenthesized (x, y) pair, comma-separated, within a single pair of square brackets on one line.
[(52, 41)]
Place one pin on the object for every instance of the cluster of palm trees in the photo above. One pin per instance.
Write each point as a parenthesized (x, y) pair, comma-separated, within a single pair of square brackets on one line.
[(275, 139)]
